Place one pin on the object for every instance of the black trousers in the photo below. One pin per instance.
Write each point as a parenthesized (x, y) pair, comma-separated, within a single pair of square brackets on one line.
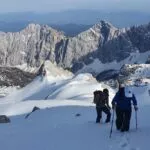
[(99, 111), (123, 119)]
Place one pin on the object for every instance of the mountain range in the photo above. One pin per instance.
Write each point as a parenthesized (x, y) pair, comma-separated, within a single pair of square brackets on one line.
[(99, 46)]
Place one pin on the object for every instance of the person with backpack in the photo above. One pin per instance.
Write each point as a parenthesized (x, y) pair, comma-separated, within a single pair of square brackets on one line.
[(42, 72), (121, 103), (101, 101)]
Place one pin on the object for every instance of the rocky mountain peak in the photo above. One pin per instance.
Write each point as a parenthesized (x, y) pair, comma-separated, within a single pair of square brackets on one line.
[(32, 27), (104, 24)]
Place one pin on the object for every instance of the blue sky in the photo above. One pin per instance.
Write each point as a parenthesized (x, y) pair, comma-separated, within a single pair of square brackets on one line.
[(59, 5)]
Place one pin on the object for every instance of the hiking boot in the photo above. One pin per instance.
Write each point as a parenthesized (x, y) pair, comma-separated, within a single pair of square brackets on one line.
[(118, 128), (107, 121), (122, 130), (97, 121)]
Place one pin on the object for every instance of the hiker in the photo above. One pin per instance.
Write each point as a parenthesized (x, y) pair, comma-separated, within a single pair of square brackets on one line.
[(44, 72), (122, 105), (101, 101), (41, 71)]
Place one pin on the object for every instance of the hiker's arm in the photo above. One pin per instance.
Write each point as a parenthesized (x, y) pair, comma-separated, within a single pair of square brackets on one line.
[(134, 102), (107, 102), (114, 101)]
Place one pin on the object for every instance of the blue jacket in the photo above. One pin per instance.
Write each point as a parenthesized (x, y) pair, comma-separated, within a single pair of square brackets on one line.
[(124, 102)]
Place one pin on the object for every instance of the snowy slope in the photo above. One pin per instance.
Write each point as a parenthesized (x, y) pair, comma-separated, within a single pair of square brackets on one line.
[(97, 66), (50, 92), (56, 126), (59, 129)]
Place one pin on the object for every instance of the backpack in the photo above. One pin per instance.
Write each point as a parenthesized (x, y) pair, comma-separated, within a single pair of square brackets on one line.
[(99, 98)]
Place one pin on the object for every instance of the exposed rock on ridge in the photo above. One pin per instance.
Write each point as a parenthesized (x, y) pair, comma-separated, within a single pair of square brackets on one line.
[(35, 44), (10, 76)]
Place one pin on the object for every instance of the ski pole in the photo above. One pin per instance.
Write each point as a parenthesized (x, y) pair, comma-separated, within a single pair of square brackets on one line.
[(136, 119), (112, 122)]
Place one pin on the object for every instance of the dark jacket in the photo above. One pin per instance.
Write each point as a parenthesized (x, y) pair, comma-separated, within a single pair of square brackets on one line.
[(123, 100), (106, 98)]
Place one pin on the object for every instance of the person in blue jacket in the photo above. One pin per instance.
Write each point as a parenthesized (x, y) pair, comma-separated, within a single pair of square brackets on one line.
[(122, 104)]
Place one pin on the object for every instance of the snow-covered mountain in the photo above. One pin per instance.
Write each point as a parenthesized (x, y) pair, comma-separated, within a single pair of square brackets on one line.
[(129, 74), (13, 78), (137, 74), (100, 48)]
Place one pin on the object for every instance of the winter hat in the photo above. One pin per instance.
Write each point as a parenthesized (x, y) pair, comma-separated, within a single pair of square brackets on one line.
[(105, 90)]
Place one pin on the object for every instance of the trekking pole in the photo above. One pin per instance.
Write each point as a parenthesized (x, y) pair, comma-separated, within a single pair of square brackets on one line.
[(112, 122), (136, 119)]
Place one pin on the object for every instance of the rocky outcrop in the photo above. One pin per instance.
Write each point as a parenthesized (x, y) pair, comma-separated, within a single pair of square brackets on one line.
[(4, 119), (33, 110), (107, 75), (31, 46), (11, 76), (137, 74)]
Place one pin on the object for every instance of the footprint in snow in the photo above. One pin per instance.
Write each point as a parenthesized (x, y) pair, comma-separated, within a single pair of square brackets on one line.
[(125, 144)]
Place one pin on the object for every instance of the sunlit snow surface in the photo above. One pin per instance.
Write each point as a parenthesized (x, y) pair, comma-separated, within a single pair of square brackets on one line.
[(56, 126)]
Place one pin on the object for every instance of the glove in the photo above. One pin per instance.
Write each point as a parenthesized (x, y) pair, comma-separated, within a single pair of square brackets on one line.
[(135, 108)]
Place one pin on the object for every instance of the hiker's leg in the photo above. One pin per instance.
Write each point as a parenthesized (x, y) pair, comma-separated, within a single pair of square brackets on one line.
[(107, 112), (127, 117), (119, 118), (99, 114)]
